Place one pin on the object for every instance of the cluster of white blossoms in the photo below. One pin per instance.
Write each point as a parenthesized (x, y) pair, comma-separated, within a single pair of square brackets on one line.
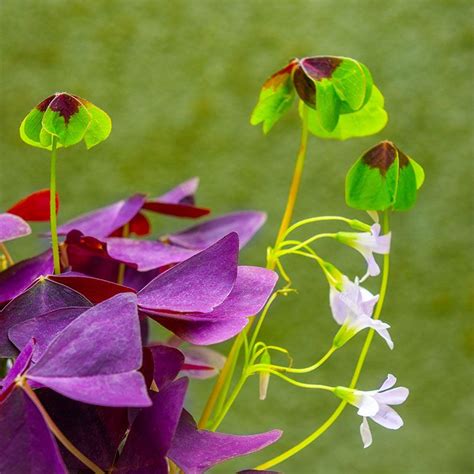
[(352, 307)]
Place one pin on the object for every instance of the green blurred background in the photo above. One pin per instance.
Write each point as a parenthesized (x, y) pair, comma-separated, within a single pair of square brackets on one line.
[(179, 80)]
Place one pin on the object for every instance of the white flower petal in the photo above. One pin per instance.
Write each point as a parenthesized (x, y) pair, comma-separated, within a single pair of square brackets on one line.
[(389, 382), (365, 433), (360, 323), (368, 304), (382, 244), (388, 418), (381, 329), (395, 396), (339, 309), (375, 229), (367, 404), (372, 266)]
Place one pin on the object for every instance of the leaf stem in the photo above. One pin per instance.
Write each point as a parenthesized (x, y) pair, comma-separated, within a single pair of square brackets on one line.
[(5, 252), (121, 268), (355, 377), (58, 433), (52, 208), (295, 182), (285, 222)]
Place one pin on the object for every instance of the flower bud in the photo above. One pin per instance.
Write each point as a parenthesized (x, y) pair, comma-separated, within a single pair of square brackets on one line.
[(264, 377)]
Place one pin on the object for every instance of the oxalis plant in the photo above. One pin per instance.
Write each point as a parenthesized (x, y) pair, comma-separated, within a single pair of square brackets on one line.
[(83, 388)]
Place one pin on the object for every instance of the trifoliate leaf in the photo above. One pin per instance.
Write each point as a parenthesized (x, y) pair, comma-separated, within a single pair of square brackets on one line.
[(67, 117), (371, 183)]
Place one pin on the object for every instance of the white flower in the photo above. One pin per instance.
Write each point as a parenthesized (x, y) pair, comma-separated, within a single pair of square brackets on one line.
[(368, 243), (352, 308), (375, 404)]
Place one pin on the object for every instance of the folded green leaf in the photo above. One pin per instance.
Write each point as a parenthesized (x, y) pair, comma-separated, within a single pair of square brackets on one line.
[(275, 99), (370, 119), (384, 177), (350, 82), (99, 128), (328, 104), (66, 118)]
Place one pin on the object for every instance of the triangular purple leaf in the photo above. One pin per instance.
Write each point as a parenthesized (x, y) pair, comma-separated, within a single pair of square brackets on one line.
[(17, 278), (198, 284), (152, 432), (252, 289), (195, 451), (201, 236), (95, 431), (104, 221), (19, 367), (26, 444), (167, 362), (44, 296), (96, 358), (145, 254), (12, 227), (43, 329)]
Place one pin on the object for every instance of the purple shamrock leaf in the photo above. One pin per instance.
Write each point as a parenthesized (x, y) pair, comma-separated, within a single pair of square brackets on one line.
[(12, 227), (96, 431), (17, 278), (19, 367), (95, 290), (195, 451), (178, 202), (251, 290), (110, 220), (26, 444), (44, 328), (44, 296), (167, 363), (96, 358), (146, 255), (198, 284), (152, 431), (103, 222), (201, 236)]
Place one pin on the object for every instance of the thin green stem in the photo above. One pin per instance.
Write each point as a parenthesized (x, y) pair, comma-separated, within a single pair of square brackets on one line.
[(229, 403), (4, 250), (52, 208), (285, 222), (262, 318), (121, 268), (225, 389), (296, 449), (312, 220), (305, 243), (296, 181), (290, 380), (302, 370), (355, 377)]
